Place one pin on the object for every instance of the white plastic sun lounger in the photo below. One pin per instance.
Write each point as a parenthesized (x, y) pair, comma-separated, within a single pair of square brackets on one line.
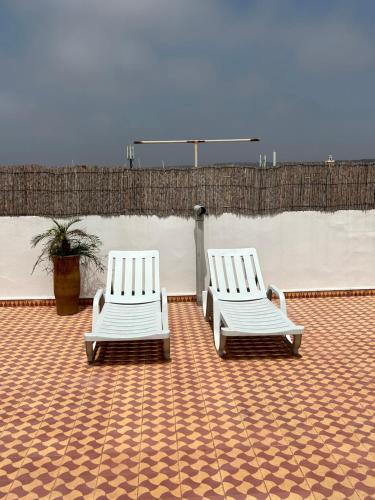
[(134, 307), (239, 305)]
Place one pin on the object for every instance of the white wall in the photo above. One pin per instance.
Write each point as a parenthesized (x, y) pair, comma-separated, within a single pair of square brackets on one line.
[(298, 250), (305, 250)]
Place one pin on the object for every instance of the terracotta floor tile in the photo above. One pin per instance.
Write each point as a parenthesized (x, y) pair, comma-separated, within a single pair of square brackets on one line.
[(36, 476), (258, 424)]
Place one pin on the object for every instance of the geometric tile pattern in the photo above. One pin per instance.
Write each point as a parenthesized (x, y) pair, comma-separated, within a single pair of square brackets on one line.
[(258, 424)]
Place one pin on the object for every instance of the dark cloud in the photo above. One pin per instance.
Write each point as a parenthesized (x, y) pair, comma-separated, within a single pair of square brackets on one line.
[(80, 79)]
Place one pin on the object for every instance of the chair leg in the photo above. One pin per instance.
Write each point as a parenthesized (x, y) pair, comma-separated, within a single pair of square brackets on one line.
[(167, 348), (297, 339), (208, 313), (223, 342), (90, 351), (204, 302)]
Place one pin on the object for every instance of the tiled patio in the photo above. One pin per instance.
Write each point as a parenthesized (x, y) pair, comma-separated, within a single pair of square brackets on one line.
[(259, 424)]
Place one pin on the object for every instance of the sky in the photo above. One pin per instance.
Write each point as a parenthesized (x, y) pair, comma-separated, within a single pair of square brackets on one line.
[(80, 79)]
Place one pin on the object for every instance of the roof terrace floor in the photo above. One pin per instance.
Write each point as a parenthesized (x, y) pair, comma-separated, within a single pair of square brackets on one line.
[(258, 424)]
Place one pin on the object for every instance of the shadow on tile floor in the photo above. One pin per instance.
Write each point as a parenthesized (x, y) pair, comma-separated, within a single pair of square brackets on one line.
[(116, 353), (257, 347)]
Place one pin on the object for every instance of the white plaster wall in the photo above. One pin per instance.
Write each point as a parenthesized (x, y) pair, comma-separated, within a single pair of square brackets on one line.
[(173, 237), (304, 250), (298, 251)]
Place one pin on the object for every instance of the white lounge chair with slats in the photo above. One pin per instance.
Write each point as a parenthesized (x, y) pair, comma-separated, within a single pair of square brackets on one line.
[(238, 303), (134, 308)]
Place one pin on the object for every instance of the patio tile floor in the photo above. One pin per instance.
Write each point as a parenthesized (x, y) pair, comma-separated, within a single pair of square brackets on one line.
[(258, 424)]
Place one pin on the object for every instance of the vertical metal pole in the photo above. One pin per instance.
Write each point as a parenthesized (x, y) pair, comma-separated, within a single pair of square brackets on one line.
[(200, 263), (195, 154), (274, 159), (130, 154)]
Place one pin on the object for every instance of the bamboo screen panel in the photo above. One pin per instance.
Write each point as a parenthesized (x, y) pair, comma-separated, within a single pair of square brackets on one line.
[(244, 190)]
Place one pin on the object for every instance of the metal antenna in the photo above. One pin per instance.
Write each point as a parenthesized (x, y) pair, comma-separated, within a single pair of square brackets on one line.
[(195, 142)]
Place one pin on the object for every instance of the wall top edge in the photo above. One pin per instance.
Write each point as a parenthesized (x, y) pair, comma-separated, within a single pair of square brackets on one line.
[(322, 292), (120, 168)]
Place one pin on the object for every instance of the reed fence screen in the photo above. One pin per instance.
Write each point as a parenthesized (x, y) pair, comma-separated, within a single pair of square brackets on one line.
[(243, 190)]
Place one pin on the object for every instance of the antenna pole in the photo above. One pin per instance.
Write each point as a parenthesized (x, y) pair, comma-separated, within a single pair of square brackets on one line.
[(195, 154), (130, 154)]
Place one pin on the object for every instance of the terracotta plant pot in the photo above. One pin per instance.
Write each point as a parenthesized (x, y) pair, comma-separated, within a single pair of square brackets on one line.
[(66, 284)]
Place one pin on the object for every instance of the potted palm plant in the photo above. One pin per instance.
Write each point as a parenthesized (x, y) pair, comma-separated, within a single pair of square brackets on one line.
[(64, 248)]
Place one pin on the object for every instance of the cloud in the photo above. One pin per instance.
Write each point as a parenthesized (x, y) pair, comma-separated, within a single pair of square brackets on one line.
[(335, 47), (85, 77), (12, 106)]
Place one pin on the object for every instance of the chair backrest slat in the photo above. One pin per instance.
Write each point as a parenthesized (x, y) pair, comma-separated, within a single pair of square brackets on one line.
[(231, 281), (128, 285), (138, 276), (240, 274), (118, 281), (148, 276), (156, 277), (133, 277), (235, 274), (254, 270), (249, 273), (220, 273)]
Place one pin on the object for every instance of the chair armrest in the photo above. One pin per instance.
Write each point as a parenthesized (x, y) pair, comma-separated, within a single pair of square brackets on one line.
[(97, 305), (164, 309), (273, 289)]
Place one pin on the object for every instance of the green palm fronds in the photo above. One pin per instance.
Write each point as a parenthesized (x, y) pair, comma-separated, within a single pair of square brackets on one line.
[(61, 240)]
